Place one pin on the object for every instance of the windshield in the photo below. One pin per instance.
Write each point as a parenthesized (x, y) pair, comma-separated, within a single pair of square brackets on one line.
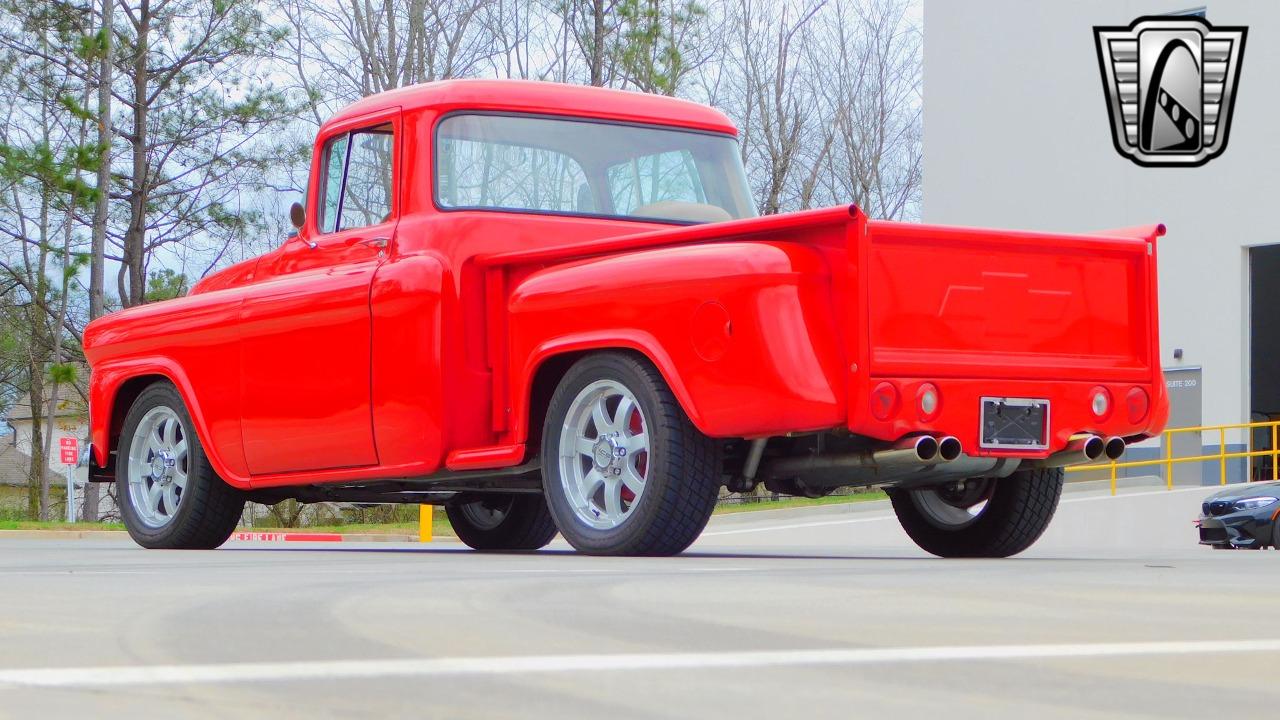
[(537, 164)]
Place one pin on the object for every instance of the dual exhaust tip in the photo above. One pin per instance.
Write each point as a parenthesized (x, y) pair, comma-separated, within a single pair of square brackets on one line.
[(930, 449), (1094, 447), (1085, 448)]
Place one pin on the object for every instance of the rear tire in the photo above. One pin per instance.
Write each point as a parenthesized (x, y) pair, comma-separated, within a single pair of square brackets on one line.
[(170, 497), (1017, 510), (503, 522), (624, 470)]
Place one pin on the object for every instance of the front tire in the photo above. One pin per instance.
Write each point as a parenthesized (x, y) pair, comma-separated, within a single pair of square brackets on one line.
[(990, 518), (624, 470), (502, 522), (170, 497)]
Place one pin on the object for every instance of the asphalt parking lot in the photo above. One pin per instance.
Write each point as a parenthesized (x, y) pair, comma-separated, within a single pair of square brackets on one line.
[(827, 612)]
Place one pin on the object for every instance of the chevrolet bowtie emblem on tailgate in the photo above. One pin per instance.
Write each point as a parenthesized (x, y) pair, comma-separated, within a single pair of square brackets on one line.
[(1170, 85)]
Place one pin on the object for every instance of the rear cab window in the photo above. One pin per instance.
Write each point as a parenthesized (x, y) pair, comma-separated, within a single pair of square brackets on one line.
[(553, 165)]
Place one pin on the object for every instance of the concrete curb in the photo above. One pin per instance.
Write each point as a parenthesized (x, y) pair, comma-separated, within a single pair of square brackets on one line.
[(238, 537)]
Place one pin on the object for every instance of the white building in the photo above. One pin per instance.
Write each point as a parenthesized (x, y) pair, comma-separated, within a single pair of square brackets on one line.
[(1017, 135)]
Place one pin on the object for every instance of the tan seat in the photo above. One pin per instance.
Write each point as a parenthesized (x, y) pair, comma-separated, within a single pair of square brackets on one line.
[(681, 210)]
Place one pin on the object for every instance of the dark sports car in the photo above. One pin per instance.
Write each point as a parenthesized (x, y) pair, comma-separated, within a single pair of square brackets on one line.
[(1242, 516)]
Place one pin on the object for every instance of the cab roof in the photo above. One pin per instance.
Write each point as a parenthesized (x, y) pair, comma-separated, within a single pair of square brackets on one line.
[(543, 98)]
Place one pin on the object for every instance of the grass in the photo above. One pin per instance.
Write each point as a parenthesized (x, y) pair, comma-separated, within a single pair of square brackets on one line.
[(56, 525)]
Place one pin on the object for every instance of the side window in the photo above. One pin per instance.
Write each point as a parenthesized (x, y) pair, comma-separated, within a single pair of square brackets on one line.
[(643, 181), (335, 156), (356, 180), (366, 199)]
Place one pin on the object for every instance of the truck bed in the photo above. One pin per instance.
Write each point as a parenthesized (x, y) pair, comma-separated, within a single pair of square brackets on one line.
[(979, 312)]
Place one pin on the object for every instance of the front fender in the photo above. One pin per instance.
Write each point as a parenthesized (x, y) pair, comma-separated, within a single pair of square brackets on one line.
[(193, 343), (106, 411), (743, 332)]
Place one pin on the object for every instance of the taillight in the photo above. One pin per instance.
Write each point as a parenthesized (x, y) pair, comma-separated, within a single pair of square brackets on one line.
[(1138, 403), (884, 401), (1100, 402), (928, 401)]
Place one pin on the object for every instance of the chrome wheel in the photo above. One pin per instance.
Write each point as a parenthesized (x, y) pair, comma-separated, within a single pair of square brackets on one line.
[(604, 454), (954, 505), (158, 467)]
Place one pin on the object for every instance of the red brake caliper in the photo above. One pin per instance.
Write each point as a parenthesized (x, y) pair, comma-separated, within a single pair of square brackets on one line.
[(636, 427)]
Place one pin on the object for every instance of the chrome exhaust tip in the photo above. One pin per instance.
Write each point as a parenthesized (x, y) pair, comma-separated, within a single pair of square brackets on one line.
[(1114, 447), (1092, 447), (949, 448), (925, 447), (1080, 449)]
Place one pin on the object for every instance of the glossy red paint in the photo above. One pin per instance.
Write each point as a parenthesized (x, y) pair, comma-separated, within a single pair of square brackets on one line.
[(347, 361)]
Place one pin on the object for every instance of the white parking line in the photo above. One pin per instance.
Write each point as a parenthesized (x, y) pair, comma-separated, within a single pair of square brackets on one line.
[(78, 573), (520, 665)]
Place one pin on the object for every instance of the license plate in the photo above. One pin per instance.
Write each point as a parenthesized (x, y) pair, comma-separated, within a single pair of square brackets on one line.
[(1014, 424)]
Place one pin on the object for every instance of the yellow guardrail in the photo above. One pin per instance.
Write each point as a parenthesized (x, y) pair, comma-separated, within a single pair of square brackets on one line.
[(1222, 456)]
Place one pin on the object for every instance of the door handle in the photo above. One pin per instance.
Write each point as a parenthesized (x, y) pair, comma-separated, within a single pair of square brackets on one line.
[(377, 242)]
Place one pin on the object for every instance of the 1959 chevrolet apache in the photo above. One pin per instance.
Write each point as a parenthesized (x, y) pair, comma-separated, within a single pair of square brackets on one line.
[(553, 308)]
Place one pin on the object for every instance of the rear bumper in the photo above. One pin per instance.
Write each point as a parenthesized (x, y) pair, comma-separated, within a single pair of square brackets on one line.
[(959, 411)]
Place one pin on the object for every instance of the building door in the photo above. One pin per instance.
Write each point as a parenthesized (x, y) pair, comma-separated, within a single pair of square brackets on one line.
[(1264, 345)]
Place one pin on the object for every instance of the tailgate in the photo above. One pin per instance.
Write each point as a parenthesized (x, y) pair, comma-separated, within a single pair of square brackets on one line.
[(961, 302)]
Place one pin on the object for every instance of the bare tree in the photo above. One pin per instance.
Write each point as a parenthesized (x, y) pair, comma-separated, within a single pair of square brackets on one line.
[(775, 110), (593, 24), (875, 110), (350, 49), (195, 103), (531, 40)]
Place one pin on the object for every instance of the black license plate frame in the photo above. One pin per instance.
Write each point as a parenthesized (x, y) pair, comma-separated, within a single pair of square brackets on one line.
[(1010, 423)]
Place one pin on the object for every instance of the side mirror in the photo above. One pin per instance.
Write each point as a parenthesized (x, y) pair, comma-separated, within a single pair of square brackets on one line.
[(297, 215)]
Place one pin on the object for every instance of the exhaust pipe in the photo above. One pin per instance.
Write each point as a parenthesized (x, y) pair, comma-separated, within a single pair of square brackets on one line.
[(949, 448), (908, 451), (1114, 448), (1080, 449)]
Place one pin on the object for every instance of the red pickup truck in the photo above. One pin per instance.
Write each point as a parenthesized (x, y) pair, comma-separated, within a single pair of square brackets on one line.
[(554, 308)]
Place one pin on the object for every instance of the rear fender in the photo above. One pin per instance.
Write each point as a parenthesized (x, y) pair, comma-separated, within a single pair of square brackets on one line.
[(741, 331)]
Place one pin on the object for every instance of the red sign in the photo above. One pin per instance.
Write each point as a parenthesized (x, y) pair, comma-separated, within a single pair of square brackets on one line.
[(70, 450)]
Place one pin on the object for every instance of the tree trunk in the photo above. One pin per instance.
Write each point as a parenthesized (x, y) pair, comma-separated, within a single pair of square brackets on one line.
[(97, 259), (37, 486), (597, 42), (134, 266)]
